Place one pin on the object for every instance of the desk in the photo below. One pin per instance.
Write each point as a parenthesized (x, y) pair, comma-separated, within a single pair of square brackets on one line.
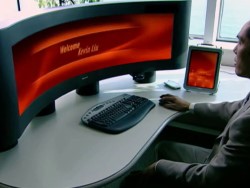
[(57, 151)]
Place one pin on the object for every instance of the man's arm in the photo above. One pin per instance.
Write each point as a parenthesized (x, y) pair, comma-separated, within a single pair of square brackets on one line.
[(217, 112)]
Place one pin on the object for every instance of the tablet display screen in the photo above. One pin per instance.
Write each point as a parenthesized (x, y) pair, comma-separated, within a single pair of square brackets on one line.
[(202, 68)]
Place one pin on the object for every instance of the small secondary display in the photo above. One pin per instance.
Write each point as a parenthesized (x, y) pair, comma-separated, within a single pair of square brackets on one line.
[(202, 70)]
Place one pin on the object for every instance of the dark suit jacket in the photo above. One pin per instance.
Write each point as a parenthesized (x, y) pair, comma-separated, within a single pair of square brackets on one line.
[(229, 162)]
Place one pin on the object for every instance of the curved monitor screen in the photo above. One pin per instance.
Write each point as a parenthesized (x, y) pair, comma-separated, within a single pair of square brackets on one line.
[(54, 55)]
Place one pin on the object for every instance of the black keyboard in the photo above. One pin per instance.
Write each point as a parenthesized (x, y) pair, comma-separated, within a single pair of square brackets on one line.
[(118, 114)]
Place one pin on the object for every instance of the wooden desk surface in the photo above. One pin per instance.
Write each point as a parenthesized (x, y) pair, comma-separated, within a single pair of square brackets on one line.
[(57, 151)]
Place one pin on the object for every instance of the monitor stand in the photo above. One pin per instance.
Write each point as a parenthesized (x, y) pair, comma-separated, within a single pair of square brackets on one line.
[(86, 90), (90, 89), (145, 77), (49, 109)]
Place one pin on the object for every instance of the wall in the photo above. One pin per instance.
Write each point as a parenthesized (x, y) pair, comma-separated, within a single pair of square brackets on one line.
[(228, 57)]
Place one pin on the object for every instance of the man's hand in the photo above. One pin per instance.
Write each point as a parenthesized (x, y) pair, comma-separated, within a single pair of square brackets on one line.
[(173, 102)]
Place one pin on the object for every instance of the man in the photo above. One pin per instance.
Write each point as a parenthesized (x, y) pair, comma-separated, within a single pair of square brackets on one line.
[(228, 162)]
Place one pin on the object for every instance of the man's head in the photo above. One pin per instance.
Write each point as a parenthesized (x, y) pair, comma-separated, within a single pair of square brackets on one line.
[(242, 52)]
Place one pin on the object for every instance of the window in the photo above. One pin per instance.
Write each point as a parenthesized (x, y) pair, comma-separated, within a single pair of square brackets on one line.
[(231, 15), (234, 14), (197, 20), (7, 8)]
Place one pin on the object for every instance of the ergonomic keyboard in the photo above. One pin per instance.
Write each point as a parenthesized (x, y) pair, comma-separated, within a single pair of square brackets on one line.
[(117, 114)]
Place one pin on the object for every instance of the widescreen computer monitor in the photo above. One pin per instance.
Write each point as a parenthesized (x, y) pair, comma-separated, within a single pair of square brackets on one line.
[(44, 56)]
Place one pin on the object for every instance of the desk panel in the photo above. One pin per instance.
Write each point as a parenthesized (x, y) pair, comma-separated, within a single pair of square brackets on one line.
[(58, 151)]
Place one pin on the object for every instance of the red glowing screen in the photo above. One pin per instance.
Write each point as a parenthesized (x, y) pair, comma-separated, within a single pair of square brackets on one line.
[(57, 54), (202, 69)]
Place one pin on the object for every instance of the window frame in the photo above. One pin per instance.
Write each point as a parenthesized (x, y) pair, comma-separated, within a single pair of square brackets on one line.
[(212, 21)]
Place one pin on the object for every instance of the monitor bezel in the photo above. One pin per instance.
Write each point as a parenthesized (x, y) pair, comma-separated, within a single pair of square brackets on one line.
[(13, 31)]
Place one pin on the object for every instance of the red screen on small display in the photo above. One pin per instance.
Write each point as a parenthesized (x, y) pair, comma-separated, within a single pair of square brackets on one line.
[(202, 69), (57, 54)]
